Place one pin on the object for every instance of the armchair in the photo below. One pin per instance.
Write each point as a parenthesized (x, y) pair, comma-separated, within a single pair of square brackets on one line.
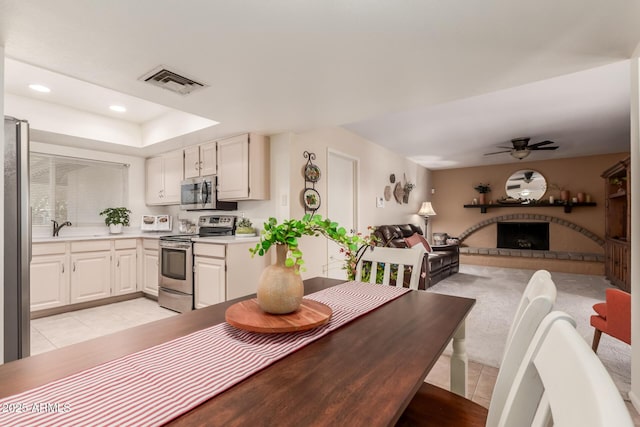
[(613, 317)]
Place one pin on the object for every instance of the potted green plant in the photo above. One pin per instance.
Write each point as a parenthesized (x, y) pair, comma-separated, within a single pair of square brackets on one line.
[(116, 218), (245, 228), (280, 286)]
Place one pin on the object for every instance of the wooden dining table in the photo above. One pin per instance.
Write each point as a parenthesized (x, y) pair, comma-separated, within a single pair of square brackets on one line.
[(364, 373)]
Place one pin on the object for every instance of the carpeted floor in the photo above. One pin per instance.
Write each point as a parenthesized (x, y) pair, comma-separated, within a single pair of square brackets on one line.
[(497, 292)]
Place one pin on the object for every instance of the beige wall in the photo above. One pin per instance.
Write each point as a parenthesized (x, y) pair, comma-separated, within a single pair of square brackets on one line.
[(454, 188), (375, 165)]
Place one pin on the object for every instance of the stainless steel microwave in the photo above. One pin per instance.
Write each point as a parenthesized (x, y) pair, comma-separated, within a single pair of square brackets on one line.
[(197, 194)]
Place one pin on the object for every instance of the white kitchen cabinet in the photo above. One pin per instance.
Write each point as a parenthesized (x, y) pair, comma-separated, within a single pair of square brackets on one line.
[(163, 177), (125, 266), (125, 272), (200, 160), (209, 281), (243, 272), (243, 168), (150, 266), (90, 276), (49, 276), (225, 271)]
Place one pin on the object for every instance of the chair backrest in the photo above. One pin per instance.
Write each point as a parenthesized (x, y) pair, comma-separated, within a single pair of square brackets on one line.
[(619, 314), (536, 302), (392, 256), (540, 283), (562, 382)]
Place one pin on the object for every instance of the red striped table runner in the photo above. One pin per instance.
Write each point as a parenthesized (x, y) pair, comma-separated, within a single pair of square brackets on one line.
[(156, 385)]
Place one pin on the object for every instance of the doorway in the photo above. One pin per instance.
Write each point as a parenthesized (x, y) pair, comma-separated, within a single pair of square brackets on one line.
[(342, 205)]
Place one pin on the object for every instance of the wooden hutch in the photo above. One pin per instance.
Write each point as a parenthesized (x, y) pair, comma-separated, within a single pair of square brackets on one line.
[(617, 248)]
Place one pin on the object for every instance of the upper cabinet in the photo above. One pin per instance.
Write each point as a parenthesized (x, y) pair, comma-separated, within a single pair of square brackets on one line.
[(163, 176), (200, 160), (243, 168)]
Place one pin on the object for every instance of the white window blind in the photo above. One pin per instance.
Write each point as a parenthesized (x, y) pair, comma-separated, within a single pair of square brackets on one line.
[(76, 190)]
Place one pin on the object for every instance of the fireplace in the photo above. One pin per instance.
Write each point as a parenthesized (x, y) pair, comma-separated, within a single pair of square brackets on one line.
[(523, 235)]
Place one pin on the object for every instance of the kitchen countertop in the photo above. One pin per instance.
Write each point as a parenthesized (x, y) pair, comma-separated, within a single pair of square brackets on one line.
[(148, 235), (140, 235)]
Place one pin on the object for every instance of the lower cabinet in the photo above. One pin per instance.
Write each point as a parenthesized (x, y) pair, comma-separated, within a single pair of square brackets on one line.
[(223, 272), (126, 272), (49, 277), (150, 266), (209, 281), (90, 276), (71, 272), (125, 266), (617, 261)]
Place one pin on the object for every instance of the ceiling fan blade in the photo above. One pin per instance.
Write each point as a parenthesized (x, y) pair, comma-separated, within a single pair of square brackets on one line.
[(497, 152), (500, 146), (539, 144), (544, 148)]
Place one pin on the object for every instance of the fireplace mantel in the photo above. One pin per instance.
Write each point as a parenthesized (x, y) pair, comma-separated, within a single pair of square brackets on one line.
[(567, 207)]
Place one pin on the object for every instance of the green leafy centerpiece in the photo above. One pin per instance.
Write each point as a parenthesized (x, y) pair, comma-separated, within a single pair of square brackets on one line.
[(280, 287)]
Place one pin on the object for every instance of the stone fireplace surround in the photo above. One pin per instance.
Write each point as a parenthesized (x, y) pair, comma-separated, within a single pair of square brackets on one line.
[(527, 253)]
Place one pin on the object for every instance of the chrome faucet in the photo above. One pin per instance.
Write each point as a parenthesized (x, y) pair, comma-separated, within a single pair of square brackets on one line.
[(56, 227)]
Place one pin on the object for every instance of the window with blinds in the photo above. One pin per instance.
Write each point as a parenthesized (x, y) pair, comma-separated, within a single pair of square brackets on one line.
[(76, 190)]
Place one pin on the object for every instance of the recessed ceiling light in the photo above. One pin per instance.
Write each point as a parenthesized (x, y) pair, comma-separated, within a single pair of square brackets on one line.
[(40, 88), (118, 108)]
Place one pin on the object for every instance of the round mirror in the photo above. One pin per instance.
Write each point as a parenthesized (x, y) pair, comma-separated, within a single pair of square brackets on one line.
[(526, 185)]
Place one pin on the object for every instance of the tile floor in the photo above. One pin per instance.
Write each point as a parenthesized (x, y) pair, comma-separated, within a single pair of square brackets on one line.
[(49, 333)]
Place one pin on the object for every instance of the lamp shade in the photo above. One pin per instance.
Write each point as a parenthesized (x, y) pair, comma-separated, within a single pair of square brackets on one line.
[(426, 209)]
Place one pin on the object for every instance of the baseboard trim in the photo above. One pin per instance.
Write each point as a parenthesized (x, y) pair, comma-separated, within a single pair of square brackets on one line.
[(82, 305)]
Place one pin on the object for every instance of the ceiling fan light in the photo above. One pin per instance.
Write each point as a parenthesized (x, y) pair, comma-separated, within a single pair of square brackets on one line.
[(520, 154)]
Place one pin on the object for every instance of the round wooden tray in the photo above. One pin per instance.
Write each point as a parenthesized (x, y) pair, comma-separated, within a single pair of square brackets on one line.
[(249, 316)]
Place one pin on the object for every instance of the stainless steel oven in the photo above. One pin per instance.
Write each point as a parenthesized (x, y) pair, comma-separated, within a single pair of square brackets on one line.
[(176, 261), (176, 273)]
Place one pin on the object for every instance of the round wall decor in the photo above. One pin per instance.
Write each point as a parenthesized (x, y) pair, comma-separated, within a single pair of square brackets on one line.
[(311, 199), (311, 173)]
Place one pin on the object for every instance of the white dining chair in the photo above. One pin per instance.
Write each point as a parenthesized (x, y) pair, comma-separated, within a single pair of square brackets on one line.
[(433, 405), (402, 257), (536, 302), (561, 382)]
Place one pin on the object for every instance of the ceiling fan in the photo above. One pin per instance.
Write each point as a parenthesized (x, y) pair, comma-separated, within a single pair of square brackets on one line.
[(527, 177), (522, 149)]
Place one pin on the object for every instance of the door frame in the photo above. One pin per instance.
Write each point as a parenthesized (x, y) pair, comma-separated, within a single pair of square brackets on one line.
[(356, 193)]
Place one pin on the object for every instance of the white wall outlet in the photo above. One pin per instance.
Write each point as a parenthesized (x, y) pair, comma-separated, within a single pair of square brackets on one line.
[(379, 202)]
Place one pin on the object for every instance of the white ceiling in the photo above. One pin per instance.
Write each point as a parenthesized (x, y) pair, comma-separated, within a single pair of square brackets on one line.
[(443, 82)]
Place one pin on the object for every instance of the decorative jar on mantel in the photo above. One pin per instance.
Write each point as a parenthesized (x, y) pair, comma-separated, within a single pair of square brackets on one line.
[(280, 288)]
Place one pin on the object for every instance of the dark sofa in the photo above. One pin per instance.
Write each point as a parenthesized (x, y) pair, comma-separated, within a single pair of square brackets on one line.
[(441, 262)]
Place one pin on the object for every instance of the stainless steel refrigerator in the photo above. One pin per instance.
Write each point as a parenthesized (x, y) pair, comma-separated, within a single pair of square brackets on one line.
[(17, 239)]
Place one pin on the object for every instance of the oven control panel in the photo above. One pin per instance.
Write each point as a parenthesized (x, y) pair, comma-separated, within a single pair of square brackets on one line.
[(218, 221)]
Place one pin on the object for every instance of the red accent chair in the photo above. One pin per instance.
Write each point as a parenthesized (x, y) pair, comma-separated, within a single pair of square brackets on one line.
[(613, 318)]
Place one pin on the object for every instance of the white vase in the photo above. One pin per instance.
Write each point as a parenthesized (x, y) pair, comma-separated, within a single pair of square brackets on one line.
[(115, 228)]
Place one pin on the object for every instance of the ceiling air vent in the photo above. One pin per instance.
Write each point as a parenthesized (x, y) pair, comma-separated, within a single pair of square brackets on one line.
[(172, 81)]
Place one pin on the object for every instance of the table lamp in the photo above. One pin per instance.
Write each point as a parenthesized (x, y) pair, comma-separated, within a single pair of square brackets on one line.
[(426, 210)]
